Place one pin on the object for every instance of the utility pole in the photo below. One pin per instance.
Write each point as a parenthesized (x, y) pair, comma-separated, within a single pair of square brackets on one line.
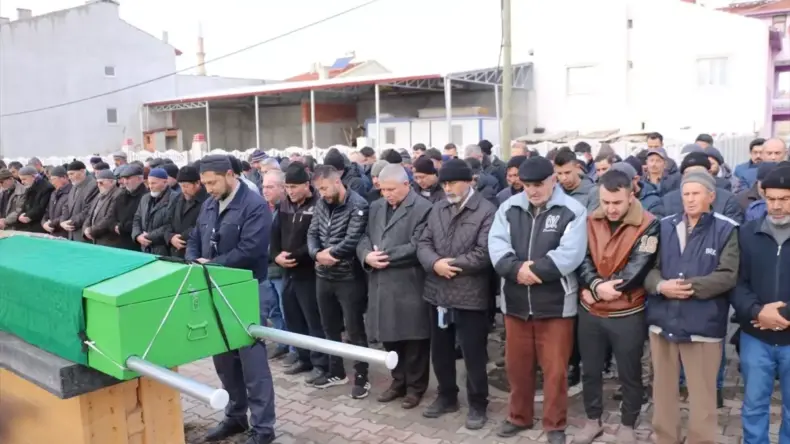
[(507, 81)]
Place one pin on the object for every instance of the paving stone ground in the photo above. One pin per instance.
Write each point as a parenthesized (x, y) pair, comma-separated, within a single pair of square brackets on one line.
[(308, 415)]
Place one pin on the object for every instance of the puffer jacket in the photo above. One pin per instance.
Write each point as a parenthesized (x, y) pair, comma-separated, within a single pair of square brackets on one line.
[(462, 235), (650, 199), (339, 229), (354, 179)]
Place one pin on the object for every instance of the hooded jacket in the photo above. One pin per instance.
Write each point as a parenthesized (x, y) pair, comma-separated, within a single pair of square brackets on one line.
[(584, 193)]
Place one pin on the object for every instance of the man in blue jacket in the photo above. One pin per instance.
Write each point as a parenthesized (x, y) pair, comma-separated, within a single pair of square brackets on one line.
[(233, 230), (747, 171), (687, 309), (760, 302)]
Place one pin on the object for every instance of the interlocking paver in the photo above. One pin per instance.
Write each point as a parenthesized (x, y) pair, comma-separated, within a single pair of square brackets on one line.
[(307, 415)]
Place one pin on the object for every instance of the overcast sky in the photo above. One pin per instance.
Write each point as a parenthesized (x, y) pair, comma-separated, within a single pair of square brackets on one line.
[(404, 35)]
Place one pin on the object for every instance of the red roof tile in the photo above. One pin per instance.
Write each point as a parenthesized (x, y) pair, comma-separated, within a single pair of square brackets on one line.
[(759, 7), (314, 75)]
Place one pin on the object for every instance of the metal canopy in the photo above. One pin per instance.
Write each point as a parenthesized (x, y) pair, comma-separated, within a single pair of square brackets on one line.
[(522, 76)]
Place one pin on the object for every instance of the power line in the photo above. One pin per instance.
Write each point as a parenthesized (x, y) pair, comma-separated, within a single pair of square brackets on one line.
[(239, 51)]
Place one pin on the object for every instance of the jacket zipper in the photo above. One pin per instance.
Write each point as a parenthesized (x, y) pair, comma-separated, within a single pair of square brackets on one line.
[(529, 257), (778, 263)]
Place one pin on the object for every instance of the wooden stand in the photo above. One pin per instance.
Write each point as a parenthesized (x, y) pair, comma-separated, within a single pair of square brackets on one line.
[(140, 411)]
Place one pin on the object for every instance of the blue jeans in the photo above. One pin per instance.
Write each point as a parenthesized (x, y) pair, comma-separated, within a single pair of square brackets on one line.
[(719, 376), (277, 284), (272, 306), (760, 363)]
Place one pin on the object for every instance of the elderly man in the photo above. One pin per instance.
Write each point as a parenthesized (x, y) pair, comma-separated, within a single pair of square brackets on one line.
[(133, 185), (774, 150), (99, 227), (274, 193), (34, 202), (725, 202), (761, 301), (687, 309), (83, 191), (375, 194), (426, 180), (290, 251), (59, 179), (453, 249), (233, 231), (338, 223), (256, 158), (153, 215), (397, 314), (536, 243), (473, 155), (622, 245), (119, 159), (12, 195), (185, 210)]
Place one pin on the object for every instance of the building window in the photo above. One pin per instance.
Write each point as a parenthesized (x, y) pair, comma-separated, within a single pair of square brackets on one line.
[(712, 71), (782, 89), (109, 71), (389, 135), (112, 115), (458, 135), (782, 129), (779, 22), (580, 80)]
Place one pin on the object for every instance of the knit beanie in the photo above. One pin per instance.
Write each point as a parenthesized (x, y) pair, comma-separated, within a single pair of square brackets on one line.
[(424, 165), (455, 170), (700, 177)]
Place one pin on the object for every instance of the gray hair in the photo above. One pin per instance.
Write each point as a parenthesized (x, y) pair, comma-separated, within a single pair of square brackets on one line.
[(472, 151), (278, 176), (393, 173), (270, 161)]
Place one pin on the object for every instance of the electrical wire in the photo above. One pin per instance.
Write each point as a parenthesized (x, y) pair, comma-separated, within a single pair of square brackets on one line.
[(165, 76)]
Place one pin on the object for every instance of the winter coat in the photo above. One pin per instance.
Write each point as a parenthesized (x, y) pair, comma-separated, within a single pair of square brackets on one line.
[(339, 229), (78, 205), (396, 309), (584, 194), (354, 179), (435, 193), (14, 202), (460, 234), (125, 209), (289, 233), (724, 204), (34, 206), (153, 217), (183, 217), (101, 219), (57, 200)]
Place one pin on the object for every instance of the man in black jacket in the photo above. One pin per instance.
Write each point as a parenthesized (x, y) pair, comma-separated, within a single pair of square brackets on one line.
[(131, 177), (289, 249), (338, 225), (37, 191), (57, 200), (153, 215), (184, 212)]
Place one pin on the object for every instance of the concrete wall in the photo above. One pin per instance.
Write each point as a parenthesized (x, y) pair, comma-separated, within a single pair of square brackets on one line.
[(660, 89), (60, 57), (192, 84)]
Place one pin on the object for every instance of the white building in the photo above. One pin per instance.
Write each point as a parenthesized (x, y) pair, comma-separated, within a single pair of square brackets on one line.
[(646, 64), (69, 56)]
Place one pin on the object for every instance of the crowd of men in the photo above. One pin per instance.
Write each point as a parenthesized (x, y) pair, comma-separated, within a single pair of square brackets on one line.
[(597, 262)]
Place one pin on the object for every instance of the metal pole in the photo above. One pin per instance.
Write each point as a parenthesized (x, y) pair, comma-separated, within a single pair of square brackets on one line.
[(142, 127), (448, 107), (208, 128), (498, 119), (216, 398), (355, 352), (507, 81), (257, 124), (312, 120), (378, 116)]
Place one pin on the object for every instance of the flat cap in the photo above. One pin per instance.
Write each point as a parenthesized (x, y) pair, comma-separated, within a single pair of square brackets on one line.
[(5, 174), (105, 175), (130, 170), (626, 168), (778, 178), (76, 165), (58, 171), (764, 168), (535, 169), (28, 171)]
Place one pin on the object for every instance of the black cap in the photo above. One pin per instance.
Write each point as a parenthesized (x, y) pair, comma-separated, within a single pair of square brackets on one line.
[(535, 169), (455, 170), (778, 178), (235, 165), (187, 174), (335, 159), (392, 156), (296, 174), (58, 171), (697, 158), (216, 163), (485, 146), (516, 161), (76, 165), (764, 168), (95, 159), (636, 163), (172, 170), (424, 165)]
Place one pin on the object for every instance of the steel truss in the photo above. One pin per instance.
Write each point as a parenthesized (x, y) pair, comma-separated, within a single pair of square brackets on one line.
[(522, 76), (177, 107)]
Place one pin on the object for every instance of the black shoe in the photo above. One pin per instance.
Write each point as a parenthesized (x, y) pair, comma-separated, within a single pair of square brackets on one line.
[(574, 376), (300, 367), (539, 380), (227, 428), (260, 439), (291, 359), (391, 394), (314, 376), (278, 353), (361, 388), (440, 407), (326, 381), (476, 418), (556, 437), (719, 399), (618, 394), (509, 430)]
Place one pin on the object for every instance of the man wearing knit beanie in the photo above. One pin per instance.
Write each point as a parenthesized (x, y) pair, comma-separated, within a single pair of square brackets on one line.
[(457, 285), (725, 203), (186, 209), (172, 176), (426, 180), (689, 305)]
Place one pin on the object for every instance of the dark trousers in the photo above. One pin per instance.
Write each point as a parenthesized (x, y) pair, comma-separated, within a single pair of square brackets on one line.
[(413, 371), (546, 342), (576, 357), (626, 337), (472, 328), (342, 304), (300, 308), (246, 376)]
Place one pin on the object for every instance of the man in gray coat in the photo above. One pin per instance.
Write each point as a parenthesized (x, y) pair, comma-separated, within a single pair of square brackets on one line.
[(397, 314), (99, 226), (78, 203)]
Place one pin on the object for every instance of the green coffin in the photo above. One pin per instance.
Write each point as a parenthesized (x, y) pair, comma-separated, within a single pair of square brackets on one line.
[(55, 294)]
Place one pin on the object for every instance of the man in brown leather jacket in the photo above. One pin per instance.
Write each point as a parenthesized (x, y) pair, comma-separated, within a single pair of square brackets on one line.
[(622, 244)]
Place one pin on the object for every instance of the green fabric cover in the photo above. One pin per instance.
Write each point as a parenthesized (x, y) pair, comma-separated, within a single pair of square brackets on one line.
[(41, 284)]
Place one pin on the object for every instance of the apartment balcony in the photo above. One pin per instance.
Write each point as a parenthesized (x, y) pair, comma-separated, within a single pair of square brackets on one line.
[(781, 106)]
